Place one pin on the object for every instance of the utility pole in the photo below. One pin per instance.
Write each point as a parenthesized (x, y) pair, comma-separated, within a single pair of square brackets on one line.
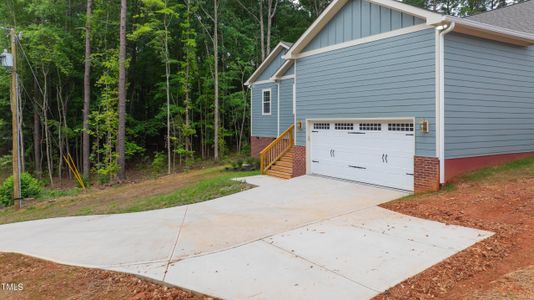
[(14, 121)]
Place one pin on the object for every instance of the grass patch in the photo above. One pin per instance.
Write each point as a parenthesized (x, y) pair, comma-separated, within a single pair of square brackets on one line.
[(166, 191), (504, 171)]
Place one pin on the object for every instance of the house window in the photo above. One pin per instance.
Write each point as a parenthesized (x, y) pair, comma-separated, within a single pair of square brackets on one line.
[(266, 102), (344, 126), (400, 127), (370, 126)]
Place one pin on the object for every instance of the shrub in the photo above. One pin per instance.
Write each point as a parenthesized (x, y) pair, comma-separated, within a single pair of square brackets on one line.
[(159, 163), (30, 187)]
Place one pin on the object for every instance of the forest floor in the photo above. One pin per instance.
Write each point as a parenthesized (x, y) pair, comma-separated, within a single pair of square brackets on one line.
[(499, 199), (24, 277), (166, 191)]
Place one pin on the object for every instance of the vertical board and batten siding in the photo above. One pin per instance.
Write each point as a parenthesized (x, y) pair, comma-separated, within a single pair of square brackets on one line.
[(388, 78), (286, 103), (264, 125), (489, 97), (358, 19)]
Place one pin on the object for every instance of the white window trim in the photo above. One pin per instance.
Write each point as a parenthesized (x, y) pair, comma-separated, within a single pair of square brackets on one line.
[(263, 102)]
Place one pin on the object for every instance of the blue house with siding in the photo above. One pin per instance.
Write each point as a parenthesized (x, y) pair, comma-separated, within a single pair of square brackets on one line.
[(381, 92)]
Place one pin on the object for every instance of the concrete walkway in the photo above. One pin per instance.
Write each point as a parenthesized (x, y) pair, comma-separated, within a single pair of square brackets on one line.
[(304, 238)]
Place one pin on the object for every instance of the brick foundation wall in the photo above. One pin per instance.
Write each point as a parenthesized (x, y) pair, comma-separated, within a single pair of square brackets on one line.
[(299, 160), (459, 166), (258, 143), (426, 174)]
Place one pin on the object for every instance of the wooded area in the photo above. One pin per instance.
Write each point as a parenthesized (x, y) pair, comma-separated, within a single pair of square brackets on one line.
[(118, 82)]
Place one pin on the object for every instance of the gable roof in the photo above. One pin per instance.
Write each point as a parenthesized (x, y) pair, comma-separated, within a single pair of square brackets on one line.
[(518, 17), (463, 25), (281, 46)]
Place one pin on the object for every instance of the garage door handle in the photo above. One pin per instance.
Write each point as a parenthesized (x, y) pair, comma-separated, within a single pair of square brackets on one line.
[(357, 167), (315, 161), (383, 157), (386, 158), (409, 174), (352, 132), (315, 131)]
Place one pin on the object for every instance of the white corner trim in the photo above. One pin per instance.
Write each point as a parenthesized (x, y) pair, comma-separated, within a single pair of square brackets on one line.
[(263, 113), (266, 62), (365, 40), (295, 102)]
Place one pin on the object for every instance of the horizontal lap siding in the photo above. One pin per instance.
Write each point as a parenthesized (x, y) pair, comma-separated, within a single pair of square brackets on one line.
[(267, 125), (286, 104), (358, 19), (489, 97), (389, 78)]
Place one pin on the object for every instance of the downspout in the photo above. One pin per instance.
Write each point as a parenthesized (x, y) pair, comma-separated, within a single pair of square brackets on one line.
[(441, 99), (278, 107), (295, 101)]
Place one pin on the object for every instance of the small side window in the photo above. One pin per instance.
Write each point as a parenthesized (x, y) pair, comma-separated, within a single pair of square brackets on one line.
[(266, 102)]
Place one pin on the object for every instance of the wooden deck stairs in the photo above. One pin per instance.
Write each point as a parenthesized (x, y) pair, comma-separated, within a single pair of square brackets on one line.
[(277, 158)]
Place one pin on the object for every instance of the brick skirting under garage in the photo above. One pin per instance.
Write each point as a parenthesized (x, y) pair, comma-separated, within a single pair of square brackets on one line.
[(426, 174), (299, 160), (258, 143), (459, 166)]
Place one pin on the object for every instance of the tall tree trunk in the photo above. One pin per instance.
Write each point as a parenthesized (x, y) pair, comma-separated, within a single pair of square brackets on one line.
[(168, 91), (262, 32), (216, 65), (87, 89), (121, 135), (271, 12), (37, 133), (49, 162)]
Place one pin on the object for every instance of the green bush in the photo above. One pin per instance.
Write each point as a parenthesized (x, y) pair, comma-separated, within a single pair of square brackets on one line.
[(159, 163), (30, 187)]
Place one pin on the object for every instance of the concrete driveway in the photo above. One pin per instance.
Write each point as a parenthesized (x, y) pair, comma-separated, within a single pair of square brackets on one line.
[(305, 238)]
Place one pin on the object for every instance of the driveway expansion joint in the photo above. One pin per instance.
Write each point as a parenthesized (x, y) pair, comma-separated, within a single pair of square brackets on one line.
[(169, 260)]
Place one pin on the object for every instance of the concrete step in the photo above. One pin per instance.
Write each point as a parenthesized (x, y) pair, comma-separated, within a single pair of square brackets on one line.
[(278, 174), (282, 169)]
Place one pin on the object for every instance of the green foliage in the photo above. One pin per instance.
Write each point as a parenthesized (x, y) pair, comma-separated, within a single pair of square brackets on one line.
[(159, 162), (29, 186)]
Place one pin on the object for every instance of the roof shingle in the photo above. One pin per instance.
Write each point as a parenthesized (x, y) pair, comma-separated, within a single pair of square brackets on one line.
[(519, 17)]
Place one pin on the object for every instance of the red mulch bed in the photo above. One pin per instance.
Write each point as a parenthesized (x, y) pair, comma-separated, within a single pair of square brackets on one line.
[(504, 205), (40, 279)]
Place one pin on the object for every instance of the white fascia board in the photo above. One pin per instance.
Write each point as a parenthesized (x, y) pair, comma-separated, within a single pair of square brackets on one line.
[(280, 72), (430, 17), (368, 39), (266, 62), (336, 5), (527, 38), (323, 19)]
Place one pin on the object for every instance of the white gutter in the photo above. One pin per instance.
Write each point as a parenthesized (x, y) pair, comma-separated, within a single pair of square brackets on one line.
[(505, 32), (440, 95)]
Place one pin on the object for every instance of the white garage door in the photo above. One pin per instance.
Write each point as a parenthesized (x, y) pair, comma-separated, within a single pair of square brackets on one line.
[(378, 152)]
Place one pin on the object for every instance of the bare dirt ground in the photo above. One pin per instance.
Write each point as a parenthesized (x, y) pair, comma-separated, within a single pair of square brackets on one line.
[(497, 268), (41, 279)]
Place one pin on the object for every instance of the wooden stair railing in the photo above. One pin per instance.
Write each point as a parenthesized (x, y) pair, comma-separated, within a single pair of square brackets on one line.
[(276, 149)]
